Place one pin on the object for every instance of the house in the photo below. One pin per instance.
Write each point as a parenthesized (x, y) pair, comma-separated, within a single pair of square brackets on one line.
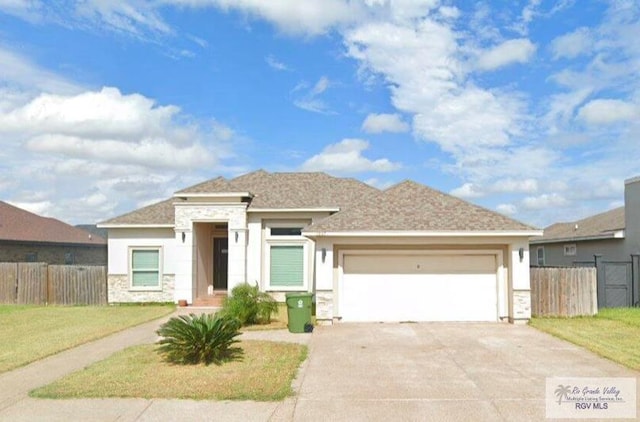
[(613, 234), (27, 237), (406, 253), (609, 240)]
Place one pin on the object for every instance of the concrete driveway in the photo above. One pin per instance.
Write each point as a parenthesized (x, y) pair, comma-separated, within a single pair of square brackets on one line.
[(437, 372)]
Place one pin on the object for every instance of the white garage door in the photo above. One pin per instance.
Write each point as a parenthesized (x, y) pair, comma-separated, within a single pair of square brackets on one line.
[(418, 287)]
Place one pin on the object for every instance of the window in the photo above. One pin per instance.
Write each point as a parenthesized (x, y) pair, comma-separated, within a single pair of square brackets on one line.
[(286, 231), (287, 266), (145, 268), (540, 252), (286, 256), (570, 250)]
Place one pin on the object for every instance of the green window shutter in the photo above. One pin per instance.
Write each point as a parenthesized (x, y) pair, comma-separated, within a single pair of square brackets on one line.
[(287, 266), (145, 268)]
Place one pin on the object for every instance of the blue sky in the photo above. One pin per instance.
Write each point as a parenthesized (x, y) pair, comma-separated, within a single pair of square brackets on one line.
[(530, 108)]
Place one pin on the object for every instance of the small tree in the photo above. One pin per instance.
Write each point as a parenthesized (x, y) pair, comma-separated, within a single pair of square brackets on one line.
[(249, 305), (191, 339)]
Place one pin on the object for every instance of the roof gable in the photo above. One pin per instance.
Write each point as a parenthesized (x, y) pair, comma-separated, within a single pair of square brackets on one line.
[(410, 206), (17, 224)]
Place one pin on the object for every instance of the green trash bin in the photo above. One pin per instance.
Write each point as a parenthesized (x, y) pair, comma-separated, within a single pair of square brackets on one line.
[(298, 311)]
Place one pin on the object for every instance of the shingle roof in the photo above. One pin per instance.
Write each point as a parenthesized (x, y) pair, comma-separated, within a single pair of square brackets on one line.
[(269, 190), (410, 206), (290, 190), (160, 213), (17, 224), (600, 225)]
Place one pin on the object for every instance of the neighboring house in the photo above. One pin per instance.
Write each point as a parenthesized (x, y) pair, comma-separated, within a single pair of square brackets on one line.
[(27, 237), (407, 253), (610, 241), (614, 235)]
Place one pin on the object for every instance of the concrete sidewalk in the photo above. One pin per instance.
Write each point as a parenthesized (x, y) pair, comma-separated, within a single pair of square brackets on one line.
[(15, 405)]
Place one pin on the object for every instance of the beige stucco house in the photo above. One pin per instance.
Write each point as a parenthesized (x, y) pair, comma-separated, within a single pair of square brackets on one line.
[(406, 253)]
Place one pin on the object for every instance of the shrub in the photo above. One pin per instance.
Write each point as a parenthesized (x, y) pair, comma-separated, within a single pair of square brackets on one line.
[(249, 305), (191, 339)]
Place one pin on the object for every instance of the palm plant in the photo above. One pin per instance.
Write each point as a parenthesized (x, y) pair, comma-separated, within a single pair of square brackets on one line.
[(191, 339), (248, 304)]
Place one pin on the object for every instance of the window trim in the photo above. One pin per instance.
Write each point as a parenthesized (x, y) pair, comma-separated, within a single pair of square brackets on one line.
[(571, 247), (540, 248), (157, 288), (293, 240)]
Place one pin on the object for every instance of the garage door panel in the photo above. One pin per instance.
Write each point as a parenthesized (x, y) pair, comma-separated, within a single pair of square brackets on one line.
[(378, 288), (419, 264)]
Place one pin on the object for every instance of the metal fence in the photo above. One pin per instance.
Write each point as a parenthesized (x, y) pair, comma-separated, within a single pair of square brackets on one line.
[(39, 283), (571, 291)]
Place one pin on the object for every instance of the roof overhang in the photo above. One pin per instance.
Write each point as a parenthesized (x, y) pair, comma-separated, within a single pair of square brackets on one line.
[(214, 195), (403, 233), (618, 234), (135, 226), (317, 209)]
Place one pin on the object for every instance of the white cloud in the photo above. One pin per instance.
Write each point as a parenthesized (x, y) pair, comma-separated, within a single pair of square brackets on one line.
[(309, 98), (378, 123), (606, 111), (29, 10), (41, 208), (69, 148), (509, 52), (501, 186), (346, 157), (20, 71), (123, 16), (515, 186), (507, 209), (544, 201), (573, 44), (275, 63), (311, 17), (468, 191)]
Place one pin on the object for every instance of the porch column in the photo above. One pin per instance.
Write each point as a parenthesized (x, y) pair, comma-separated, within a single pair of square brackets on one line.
[(183, 259), (237, 269)]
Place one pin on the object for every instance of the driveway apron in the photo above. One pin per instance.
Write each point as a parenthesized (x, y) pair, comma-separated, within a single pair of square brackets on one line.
[(437, 371)]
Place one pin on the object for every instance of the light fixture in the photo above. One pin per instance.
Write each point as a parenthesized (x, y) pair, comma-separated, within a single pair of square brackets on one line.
[(324, 254), (521, 254), (184, 236)]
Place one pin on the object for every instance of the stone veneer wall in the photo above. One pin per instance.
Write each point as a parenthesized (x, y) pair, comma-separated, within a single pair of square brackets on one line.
[(521, 306), (118, 290), (324, 306)]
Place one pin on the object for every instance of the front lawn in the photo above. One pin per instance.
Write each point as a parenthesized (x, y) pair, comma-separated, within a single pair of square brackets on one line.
[(264, 373), (30, 333), (613, 333)]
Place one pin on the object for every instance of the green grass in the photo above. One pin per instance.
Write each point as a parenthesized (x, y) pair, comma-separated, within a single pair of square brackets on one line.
[(613, 333), (30, 333), (265, 373)]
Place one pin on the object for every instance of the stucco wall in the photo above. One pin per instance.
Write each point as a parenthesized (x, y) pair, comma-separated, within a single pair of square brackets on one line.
[(610, 249), (53, 254)]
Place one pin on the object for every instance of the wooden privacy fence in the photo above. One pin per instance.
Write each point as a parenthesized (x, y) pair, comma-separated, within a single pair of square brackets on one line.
[(39, 284), (569, 291)]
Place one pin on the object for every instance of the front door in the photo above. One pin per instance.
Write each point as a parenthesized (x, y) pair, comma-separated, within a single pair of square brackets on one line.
[(220, 262)]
